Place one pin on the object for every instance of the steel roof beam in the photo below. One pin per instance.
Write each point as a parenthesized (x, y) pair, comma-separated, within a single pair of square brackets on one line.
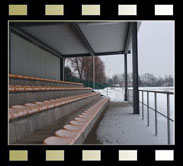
[(96, 53), (86, 43), (82, 38), (128, 38)]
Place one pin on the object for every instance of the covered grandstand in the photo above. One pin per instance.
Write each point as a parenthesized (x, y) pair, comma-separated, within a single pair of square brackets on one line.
[(43, 107)]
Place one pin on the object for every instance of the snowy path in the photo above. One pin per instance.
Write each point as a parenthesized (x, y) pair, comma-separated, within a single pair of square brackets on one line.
[(120, 126)]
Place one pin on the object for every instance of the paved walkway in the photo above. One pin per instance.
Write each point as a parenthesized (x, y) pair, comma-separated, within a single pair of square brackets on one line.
[(120, 126)]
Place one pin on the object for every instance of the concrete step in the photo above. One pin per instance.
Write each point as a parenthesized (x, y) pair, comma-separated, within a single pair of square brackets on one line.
[(26, 80), (18, 97), (78, 129), (37, 137), (25, 125)]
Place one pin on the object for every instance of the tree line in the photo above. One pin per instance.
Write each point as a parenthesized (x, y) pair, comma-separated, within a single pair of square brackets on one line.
[(145, 80), (83, 66)]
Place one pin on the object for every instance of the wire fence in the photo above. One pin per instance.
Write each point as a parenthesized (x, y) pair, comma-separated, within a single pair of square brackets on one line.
[(86, 83)]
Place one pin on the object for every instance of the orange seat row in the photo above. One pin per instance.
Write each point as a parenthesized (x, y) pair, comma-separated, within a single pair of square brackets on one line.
[(25, 88), (72, 131), (41, 79), (17, 111)]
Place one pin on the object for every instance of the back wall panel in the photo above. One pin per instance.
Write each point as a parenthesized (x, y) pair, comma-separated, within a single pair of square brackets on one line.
[(28, 59)]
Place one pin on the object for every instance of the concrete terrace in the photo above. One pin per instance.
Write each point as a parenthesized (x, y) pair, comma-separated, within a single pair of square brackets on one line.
[(38, 136), (117, 125)]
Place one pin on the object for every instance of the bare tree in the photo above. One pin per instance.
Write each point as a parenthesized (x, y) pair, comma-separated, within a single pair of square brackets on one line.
[(84, 67), (115, 79), (78, 65), (99, 70)]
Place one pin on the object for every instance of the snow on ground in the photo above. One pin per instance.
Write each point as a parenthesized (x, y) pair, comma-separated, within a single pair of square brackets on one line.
[(119, 126), (115, 94)]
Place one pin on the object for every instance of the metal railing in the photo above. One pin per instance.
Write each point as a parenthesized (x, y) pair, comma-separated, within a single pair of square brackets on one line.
[(156, 111)]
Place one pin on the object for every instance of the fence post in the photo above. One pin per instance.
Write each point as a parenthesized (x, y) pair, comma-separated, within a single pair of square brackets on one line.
[(168, 115), (156, 118), (142, 105), (147, 108)]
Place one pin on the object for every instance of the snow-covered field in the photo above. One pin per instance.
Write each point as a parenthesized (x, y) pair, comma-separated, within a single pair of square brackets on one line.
[(117, 94)]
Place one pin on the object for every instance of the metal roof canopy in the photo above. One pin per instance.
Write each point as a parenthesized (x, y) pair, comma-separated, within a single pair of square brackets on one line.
[(76, 39)]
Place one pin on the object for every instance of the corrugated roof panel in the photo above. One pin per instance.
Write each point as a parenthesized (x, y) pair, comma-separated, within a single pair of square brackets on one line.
[(60, 37), (102, 36), (105, 37)]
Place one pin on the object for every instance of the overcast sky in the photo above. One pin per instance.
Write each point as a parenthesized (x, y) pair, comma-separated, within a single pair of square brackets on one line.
[(155, 51)]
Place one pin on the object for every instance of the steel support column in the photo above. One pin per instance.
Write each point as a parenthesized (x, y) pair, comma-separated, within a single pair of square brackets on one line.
[(93, 57), (135, 68), (63, 69), (62, 65), (126, 78)]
